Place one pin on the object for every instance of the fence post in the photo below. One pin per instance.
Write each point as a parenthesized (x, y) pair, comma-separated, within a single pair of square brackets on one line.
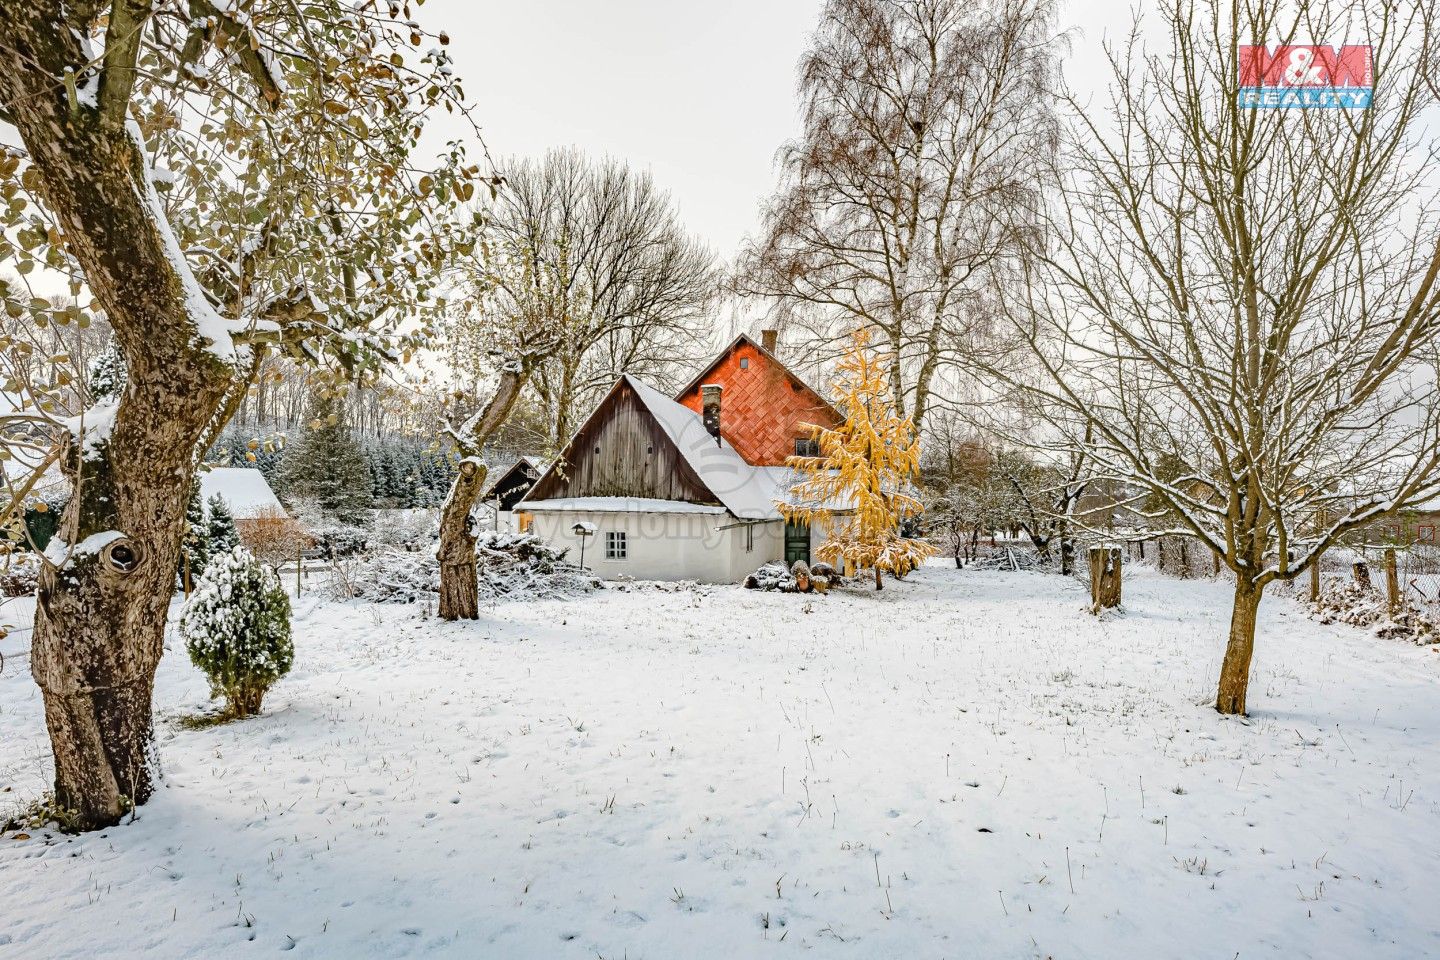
[(1315, 578), (1392, 581), (1361, 572)]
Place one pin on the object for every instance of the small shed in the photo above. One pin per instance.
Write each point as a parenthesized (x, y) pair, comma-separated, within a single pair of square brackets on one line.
[(508, 488), (243, 489)]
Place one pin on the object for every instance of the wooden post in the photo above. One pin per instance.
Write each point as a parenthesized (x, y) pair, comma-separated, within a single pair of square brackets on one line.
[(1392, 581), (1315, 578), (1360, 570), (299, 565)]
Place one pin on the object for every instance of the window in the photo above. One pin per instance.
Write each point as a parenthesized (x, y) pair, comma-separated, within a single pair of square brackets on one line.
[(807, 447), (615, 546), (744, 363), (1427, 533)]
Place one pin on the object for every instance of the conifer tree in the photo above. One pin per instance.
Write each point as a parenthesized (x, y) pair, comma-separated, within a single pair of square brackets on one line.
[(220, 531), (869, 463), (327, 465), (196, 544)]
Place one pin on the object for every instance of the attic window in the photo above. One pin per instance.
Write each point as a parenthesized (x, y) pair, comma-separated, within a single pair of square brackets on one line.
[(597, 449), (807, 447), (744, 363)]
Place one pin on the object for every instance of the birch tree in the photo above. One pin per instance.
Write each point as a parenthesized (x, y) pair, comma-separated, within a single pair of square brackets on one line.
[(914, 181), (1237, 315), (220, 181)]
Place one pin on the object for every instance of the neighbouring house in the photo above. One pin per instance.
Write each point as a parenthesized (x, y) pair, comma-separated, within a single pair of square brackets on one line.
[(244, 491), (652, 487), (500, 497)]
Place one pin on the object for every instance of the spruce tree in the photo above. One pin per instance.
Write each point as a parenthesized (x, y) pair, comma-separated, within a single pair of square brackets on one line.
[(196, 541), (328, 467), (221, 532)]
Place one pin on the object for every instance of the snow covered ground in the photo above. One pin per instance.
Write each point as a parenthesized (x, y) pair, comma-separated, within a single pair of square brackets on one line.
[(966, 765)]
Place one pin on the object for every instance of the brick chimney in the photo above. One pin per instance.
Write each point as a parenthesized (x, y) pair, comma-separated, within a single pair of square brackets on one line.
[(768, 339), (710, 409)]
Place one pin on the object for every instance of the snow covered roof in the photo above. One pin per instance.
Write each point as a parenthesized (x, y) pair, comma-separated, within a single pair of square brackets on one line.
[(243, 489), (747, 492), (617, 505)]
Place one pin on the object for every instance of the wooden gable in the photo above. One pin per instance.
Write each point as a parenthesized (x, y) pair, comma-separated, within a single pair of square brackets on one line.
[(513, 484), (763, 405), (622, 451)]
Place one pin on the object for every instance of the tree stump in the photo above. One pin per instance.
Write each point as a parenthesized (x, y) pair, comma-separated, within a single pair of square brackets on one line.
[(1105, 571)]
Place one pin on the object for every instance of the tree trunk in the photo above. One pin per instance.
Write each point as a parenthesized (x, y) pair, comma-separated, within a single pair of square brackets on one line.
[(1235, 669), (100, 617), (459, 587), (879, 582), (459, 577)]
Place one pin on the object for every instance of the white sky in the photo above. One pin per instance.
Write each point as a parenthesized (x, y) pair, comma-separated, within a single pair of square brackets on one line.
[(700, 93)]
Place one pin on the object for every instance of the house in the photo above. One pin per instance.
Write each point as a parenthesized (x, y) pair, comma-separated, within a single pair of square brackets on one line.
[(244, 491), (672, 489), (499, 498)]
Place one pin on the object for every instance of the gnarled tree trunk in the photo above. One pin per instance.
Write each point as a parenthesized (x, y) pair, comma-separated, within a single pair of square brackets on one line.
[(1235, 669), (100, 614), (459, 578), (459, 589)]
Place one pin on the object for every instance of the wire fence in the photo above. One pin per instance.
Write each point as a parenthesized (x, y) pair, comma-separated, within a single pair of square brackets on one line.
[(1417, 567)]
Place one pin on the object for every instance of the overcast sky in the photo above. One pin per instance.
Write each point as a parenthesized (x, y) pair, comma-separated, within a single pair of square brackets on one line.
[(700, 93)]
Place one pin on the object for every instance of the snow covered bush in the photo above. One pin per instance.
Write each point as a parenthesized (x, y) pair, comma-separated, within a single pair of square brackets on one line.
[(1345, 601), (390, 576), (511, 565), (19, 574), (237, 630)]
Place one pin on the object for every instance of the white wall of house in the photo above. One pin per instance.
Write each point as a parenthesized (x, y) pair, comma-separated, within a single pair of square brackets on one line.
[(708, 547)]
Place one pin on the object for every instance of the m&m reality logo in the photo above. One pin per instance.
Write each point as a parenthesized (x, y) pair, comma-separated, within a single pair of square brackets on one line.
[(1296, 77)]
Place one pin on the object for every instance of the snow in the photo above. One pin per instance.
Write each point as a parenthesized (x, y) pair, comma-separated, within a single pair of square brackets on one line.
[(243, 489), (614, 505), (95, 425), (58, 552), (964, 765)]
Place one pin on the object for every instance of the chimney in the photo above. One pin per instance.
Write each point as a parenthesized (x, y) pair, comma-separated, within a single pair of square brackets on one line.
[(710, 409), (768, 339)]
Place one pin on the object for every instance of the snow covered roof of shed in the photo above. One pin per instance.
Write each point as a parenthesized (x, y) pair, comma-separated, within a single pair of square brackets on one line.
[(747, 491), (243, 489)]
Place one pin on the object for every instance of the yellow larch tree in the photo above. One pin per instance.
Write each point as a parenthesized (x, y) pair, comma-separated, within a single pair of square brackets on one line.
[(858, 483)]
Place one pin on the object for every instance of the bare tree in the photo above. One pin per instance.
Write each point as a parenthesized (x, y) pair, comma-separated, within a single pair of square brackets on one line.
[(594, 251), (1237, 315), (915, 178)]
